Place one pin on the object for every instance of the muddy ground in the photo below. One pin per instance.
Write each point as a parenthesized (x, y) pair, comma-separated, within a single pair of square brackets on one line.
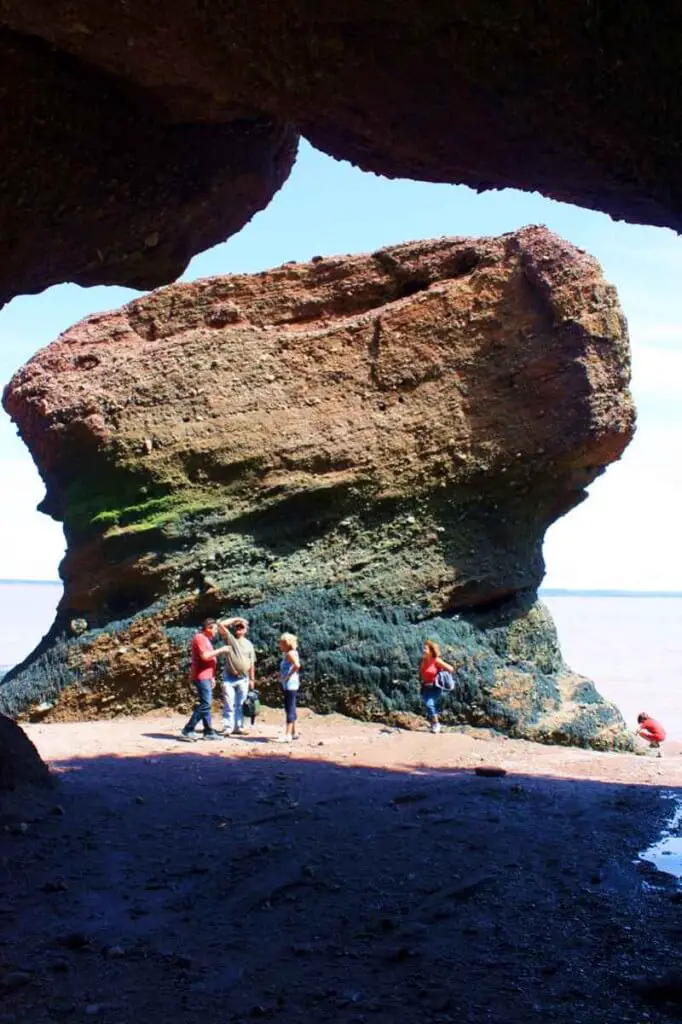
[(359, 875)]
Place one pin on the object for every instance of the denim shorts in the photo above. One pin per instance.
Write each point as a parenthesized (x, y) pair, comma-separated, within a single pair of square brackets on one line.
[(431, 697)]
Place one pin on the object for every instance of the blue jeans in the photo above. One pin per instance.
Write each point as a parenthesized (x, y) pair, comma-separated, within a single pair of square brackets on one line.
[(202, 712), (431, 698), (235, 690)]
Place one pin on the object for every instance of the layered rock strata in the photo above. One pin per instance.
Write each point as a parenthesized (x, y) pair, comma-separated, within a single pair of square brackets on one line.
[(119, 124), (366, 450)]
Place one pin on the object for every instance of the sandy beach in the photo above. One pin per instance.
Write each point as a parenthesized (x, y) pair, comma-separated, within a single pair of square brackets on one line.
[(360, 874)]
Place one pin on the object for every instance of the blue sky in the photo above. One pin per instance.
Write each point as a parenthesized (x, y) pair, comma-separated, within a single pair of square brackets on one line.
[(624, 536)]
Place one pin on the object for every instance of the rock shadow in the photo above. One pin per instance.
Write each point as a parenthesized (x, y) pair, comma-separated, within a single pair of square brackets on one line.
[(193, 886)]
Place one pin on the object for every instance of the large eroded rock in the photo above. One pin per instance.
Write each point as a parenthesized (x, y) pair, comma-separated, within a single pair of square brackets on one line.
[(104, 102), (365, 449)]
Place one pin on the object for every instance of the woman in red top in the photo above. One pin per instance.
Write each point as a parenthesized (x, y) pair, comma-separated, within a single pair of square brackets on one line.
[(650, 730), (431, 665)]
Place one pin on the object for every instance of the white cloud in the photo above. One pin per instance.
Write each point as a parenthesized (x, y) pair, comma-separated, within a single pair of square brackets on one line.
[(643, 332), (657, 374)]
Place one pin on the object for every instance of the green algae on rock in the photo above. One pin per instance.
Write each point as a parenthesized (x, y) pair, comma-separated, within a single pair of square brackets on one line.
[(367, 450)]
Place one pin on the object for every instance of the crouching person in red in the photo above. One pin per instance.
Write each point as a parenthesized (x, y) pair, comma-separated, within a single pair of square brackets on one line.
[(651, 731)]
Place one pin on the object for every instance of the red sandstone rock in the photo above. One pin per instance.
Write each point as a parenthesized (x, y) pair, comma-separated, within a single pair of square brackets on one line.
[(495, 369)]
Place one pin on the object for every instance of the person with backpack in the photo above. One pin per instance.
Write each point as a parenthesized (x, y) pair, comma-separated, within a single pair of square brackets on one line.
[(430, 667)]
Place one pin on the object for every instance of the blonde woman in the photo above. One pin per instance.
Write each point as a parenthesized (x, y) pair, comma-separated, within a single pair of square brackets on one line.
[(431, 664), (289, 668)]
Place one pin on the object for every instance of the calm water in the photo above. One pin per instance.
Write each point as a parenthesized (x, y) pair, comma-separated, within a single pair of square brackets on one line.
[(630, 646), (26, 613)]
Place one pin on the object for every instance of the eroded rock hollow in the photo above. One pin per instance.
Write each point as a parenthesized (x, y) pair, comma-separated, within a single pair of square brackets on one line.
[(365, 450)]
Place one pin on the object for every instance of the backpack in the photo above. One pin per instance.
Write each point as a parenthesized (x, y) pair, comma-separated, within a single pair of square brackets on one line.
[(251, 705), (445, 681)]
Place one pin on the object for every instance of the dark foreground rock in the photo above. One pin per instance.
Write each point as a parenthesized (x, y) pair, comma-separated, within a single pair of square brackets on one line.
[(118, 124), (365, 450), (20, 763)]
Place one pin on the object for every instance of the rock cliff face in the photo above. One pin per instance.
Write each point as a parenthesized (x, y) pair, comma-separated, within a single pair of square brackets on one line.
[(120, 126), (366, 450)]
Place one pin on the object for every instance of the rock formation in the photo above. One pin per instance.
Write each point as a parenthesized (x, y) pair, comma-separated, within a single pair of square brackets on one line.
[(98, 191), (131, 140), (20, 762), (366, 450)]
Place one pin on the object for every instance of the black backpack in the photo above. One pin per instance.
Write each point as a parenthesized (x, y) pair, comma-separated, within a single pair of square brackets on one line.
[(251, 705)]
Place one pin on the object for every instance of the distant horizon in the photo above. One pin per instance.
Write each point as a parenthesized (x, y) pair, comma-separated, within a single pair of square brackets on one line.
[(544, 591), (19, 580)]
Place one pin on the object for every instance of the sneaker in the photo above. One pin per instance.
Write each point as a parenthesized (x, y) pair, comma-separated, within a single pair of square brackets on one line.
[(283, 739), (212, 736), (435, 727), (237, 731), (188, 737)]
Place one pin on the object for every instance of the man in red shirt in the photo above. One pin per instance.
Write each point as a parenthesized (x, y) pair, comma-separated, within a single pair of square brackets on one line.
[(202, 673), (651, 730)]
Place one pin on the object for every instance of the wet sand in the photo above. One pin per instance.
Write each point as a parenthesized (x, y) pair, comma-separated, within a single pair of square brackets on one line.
[(360, 874)]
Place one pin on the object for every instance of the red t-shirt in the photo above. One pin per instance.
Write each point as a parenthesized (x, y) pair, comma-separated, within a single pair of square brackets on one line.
[(428, 670), (202, 669), (654, 728)]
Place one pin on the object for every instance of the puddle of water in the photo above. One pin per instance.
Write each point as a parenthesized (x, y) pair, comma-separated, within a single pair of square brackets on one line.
[(666, 853)]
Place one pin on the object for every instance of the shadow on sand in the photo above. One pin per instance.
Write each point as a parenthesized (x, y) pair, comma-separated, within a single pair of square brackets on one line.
[(233, 738), (196, 887)]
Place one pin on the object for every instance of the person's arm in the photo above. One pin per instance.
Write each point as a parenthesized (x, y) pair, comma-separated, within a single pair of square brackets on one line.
[(207, 651), (293, 659), (252, 669), (224, 623), (440, 665), (208, 655)]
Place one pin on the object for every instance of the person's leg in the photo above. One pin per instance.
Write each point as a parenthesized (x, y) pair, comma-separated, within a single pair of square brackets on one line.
[(205, 688), (431, 697), (435, 725), (228, 707), (293, 714), (240, 691), (195, 717), (288, 721)]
